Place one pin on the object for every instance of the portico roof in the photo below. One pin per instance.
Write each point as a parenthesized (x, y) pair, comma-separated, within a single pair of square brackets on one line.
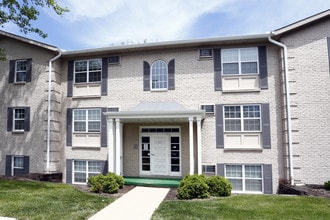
[(156, 112)]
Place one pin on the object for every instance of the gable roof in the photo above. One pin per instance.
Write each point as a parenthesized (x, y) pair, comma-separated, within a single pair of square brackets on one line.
[(302, 23), (4, 34)]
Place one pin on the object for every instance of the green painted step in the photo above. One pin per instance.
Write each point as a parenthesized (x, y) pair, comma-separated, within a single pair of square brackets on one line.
[(138, 181)]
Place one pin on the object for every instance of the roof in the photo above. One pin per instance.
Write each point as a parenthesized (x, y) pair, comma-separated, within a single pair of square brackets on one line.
[(4, 34), (156, 112), (202, 42), (302, 23)]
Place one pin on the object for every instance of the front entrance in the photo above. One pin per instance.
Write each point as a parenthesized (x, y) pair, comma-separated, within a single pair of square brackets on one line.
[(160, 152)]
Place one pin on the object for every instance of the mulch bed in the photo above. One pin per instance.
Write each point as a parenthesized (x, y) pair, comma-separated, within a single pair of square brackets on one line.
[(307, 190)]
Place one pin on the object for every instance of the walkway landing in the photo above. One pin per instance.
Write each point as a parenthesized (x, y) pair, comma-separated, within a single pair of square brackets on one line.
[(138, 204)]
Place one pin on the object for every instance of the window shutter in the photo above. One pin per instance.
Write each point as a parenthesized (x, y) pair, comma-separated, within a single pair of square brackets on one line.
[(329, 52), (70, 78), (146, 76), (171, 75), (68, 171), (9, 119), (26, 165), (263, 73), (8, 165), (11, 71), (220, 169), (27, 119), (266, 140), (104, 85), (104, 164), (69, 127), (103, 128), (28, 70), (219, 126), (268, 179), (217, 69)]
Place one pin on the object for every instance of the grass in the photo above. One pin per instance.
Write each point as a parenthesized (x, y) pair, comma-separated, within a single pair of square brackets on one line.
[(247, 207), (41, 200)]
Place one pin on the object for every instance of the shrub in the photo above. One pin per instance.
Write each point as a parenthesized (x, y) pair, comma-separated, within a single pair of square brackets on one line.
[(193, 186), (219, 186), (327, 185), (109, 183), (95, 183)]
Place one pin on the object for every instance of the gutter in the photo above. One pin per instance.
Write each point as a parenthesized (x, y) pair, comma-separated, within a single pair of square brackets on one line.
[(287, 99), (48, 109)]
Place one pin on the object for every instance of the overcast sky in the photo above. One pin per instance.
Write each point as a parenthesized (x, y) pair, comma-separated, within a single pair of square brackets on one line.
[(99, 23)]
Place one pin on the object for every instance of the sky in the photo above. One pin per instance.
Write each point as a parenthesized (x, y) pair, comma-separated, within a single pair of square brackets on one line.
[(104, 23)]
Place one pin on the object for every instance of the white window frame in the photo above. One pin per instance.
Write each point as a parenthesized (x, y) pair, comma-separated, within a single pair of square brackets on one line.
[(88, 71), (86, 120), (157, 82), (244, 178), (18, 119), (86, 171), (13, 167), (239, 61), (21, 71), (242, 118)]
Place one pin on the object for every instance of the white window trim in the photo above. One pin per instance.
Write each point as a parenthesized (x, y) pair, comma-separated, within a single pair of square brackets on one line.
[(12, 164), (16, 71), (242, 119), (86, 172), (239, 63), (158, 89), (86, 121), (87, 72), (19, 119), (243, 178)]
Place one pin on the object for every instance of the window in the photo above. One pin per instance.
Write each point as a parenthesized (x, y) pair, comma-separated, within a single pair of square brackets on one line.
[(20, 70), (209, 109), (242, 118), (205, 53), (87, 120), (19, 119), (88, 71), (83, 169), (18, 162), (113, 60), (159, 75), (239, 61), (245, 178)]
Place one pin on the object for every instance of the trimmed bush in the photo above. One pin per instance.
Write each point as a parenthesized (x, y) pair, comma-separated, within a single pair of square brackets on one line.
[(219, 186), (95, 183), (109, 183), (327, 185), (193, 186)]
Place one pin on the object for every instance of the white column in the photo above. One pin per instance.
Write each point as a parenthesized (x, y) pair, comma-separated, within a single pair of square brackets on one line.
[(118, 144), (191, 145), (110, 146), (121, 151), (199, 145)]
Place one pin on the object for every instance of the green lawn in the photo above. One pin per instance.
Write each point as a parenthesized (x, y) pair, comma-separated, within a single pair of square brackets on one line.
[(246, 207), (41, 200)]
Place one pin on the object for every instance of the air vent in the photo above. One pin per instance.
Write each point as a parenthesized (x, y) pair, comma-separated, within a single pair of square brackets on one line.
[(205, 53), (209, 109), (114, 60)]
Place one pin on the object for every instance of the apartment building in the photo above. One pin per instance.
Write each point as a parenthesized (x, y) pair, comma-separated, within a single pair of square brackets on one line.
[(252, 108)]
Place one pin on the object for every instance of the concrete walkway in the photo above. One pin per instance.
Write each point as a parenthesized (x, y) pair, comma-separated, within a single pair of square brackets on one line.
[(138, 204)]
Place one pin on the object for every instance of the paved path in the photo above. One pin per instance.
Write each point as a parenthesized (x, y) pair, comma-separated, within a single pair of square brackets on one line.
[(138, 204)]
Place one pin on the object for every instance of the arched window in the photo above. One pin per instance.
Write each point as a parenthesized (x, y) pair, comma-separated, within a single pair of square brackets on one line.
[(159, 75)]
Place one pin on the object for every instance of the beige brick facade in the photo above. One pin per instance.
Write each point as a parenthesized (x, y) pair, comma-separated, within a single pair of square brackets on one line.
[(309, 81)]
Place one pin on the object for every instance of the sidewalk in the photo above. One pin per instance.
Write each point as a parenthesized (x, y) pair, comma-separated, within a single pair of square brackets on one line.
[(138, 204)]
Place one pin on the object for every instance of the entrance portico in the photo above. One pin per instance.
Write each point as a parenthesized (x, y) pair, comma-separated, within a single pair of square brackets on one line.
[(159, 145)]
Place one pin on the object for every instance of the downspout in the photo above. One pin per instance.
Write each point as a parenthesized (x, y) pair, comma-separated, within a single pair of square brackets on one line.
[(287, 99), (48, 109)]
